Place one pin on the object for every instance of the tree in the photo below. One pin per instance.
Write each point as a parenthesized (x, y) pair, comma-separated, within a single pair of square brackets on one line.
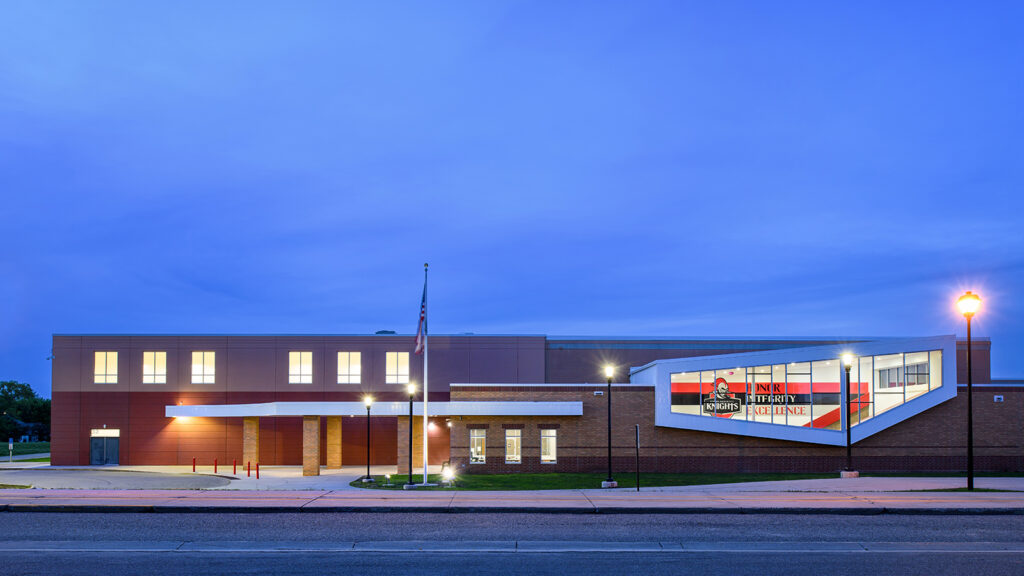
[(11, 391), (19, 405)]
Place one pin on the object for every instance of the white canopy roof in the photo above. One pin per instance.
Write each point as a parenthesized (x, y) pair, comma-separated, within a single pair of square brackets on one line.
[(378, 409)]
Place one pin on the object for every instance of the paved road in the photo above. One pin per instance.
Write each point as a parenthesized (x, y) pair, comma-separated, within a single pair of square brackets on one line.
[(499, 544)]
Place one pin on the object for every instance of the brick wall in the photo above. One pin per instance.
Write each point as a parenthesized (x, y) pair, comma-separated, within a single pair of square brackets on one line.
[(932, 441)]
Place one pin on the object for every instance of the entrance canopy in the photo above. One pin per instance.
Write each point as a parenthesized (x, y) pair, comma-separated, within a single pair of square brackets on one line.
[(377, 409)]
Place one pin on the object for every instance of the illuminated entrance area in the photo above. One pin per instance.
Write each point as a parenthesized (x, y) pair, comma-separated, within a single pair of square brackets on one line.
[(807, 393)]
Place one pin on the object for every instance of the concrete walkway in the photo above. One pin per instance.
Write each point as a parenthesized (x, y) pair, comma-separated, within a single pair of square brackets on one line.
[(870, 496), (182, 477)]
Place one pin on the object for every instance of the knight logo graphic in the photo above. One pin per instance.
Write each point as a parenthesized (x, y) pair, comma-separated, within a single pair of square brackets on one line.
[(721, 401)]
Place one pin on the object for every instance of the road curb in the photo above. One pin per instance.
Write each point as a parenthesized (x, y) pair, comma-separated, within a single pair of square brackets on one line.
[(151, 509)]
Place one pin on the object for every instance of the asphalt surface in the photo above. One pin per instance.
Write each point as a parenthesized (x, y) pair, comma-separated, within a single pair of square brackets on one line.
[(64, 543)]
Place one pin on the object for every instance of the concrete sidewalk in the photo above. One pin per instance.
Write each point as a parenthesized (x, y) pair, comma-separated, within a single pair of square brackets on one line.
[(872, 496)]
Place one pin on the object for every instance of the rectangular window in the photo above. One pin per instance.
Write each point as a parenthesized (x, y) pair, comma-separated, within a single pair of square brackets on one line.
[(477, 446), (300, 367), (154, 367), (513, 446), (548, 446), (349, 367), (203, 367), (396, 368), (105, 371)]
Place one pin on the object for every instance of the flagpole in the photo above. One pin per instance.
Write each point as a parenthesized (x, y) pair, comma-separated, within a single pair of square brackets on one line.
[(426, 354)]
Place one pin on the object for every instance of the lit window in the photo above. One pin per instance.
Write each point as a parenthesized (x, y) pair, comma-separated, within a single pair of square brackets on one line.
[(154, 367), (397, 368), (477, 446), (106, 368), (513, 446), (548, 446), (300, 367), (203, 367), (350, 368)]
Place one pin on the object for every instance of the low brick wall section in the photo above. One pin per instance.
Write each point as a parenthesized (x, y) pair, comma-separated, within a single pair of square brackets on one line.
[(933, 441)]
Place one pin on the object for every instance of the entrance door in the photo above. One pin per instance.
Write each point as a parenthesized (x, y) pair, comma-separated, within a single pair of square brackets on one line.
[(104, 447)]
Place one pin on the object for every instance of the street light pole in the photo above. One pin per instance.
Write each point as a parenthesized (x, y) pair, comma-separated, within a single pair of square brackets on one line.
[(969, 304), (609, 372), (847, 362), (412, 394), (368, 400)]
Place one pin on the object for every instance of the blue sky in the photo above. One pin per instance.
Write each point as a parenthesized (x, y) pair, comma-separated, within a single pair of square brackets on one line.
[(587, 168)]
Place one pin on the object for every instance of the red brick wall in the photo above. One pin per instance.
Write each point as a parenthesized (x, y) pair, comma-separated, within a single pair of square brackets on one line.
[(932, 441)]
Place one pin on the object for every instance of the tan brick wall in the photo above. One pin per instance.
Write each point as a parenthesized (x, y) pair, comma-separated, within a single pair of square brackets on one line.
[(251, 440), (438, 444), (334, 442), (933, 440), (310, 445)]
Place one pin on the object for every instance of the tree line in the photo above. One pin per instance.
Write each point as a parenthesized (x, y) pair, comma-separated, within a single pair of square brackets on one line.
[(22, 412)]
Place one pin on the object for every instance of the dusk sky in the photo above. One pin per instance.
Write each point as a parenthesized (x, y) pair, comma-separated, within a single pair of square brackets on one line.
[(692, 169)]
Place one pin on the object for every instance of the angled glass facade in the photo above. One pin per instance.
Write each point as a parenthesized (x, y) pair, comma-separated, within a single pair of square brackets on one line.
[(808, 393)]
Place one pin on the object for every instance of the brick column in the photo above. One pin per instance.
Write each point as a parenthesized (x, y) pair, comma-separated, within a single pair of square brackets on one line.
[(334, 442), (403, 445), (310, 445), (251, 439)]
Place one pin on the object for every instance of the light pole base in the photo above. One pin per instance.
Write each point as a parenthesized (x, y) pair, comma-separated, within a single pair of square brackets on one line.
[(367, 480), (849, 474), (609, 484)]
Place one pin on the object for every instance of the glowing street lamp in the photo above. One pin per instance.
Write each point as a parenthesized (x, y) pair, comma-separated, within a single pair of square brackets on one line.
[(368, 401), (968, 305), (411, 389), (847, 363), (609, 372)]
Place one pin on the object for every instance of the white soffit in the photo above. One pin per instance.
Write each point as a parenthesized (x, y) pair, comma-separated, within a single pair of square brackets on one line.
[(473, 408)]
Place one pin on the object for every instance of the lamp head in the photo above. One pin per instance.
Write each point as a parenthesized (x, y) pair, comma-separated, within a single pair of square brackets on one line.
[(411, 388), (969, 304), (609, 371), (368, 400), (847, 359)]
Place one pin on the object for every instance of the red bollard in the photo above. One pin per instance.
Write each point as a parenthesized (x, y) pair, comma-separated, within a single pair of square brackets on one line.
[(257, 470), (248, 469), (234, 467), (214, 465), (193, 464)]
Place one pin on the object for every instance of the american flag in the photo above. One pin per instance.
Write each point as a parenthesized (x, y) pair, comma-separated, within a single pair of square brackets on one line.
[(421, 329)]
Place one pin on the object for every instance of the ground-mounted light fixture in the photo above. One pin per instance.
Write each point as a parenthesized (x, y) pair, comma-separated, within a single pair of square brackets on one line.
[(969, 304)]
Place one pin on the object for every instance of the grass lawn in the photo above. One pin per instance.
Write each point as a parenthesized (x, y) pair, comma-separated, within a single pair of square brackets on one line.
[(44, 459), (13, 486), (567, 480), (964, 489), (26, 448), (945, 474)]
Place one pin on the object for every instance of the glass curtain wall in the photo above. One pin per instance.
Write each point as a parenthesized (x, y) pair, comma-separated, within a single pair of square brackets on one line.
[(807, 393)]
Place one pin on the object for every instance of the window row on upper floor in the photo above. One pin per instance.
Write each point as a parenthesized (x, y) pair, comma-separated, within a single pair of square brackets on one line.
[(300, 367)]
